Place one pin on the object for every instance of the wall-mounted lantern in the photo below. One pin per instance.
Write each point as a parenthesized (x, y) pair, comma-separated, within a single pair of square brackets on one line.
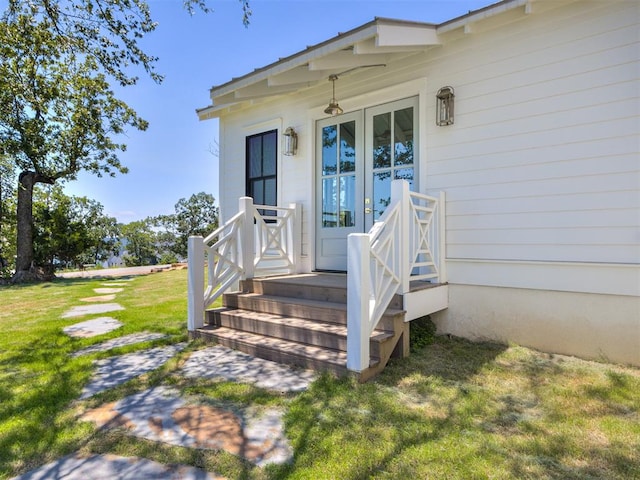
[(290, 142), (444, 107)]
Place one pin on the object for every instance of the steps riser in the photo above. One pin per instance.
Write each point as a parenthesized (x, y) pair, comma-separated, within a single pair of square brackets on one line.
[(276, 355), (286, 289), (331, 315), (300, 320), (258, 304), (288, 332), (307, 292)]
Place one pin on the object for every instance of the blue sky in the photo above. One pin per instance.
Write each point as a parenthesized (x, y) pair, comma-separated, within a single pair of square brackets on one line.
[(172, 159)]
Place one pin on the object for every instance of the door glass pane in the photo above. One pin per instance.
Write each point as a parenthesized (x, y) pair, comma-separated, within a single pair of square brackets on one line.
[(382, 140), (405, 174), (270, 191), (381, 192), (347, 147), (329, 150), (329, 203), (269, 154), (347, 200), (255, 156), (257, 189), (403, 136)]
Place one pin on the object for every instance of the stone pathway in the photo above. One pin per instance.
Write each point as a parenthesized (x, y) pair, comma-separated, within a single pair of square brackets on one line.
[(130, 339), (107, 290), (162, 413), (99, 298), (91, 309), (91, 328), (114, 467), (220, 362), (114, 371)]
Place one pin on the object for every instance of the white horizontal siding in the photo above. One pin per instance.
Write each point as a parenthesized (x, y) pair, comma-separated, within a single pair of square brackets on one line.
[(542, 163), (572, 203)]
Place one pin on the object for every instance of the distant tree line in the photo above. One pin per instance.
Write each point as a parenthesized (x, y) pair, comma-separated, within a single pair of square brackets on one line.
[(74, 232)]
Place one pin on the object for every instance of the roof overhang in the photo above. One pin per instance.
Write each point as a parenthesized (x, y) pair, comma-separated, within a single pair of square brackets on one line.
[(375, 43)]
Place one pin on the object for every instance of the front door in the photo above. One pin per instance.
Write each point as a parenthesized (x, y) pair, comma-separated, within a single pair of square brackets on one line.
[(357, 156), (340, 189)]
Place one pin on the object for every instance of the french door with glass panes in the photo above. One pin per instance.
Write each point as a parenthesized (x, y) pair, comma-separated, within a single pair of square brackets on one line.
[(357, 156)]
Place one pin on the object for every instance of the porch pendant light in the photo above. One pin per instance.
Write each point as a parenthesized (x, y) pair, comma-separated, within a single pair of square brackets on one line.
[(333, 109)]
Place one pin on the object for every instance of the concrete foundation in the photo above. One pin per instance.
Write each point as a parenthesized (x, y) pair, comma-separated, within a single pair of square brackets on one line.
[(590, 326)]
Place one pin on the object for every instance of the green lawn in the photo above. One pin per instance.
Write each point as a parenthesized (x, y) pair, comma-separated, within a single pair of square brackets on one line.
[(453, 409)]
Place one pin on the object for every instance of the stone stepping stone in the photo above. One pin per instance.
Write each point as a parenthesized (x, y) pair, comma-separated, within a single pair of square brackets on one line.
[(115, 284), (91, 328), (107, 290), (114, 467), (220, 362), (99, 298), (92, 309), (119, 342), (161, 414), (117, 370)]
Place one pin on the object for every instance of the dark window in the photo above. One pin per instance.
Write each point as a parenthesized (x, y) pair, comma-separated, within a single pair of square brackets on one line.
[(262, 153)]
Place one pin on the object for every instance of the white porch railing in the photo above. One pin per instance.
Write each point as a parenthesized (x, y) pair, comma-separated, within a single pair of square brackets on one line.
[(405, 244), (249, 244)]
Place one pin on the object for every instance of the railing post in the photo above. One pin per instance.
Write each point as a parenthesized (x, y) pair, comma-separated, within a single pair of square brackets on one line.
[(295, 237), (400, 193), (247, 241), (195, 286), (358, 301), (442, 239)]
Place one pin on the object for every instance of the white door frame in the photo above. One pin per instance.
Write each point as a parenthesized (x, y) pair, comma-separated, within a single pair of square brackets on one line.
[(331, 241)]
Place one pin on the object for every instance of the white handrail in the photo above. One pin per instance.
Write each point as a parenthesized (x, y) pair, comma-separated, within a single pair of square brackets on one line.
[(399, 248), (248, 244)]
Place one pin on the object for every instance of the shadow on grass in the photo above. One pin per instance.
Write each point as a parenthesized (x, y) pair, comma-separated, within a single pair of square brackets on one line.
[(456, 409), (38, 383)]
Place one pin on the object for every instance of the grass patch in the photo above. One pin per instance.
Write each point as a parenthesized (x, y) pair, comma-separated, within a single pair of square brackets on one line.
[(453, 409)]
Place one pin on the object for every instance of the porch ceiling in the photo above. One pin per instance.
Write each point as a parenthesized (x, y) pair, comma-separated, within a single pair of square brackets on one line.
[(375, 43)]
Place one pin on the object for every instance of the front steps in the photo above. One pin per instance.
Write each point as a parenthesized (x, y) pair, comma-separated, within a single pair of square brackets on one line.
[(301, 320)]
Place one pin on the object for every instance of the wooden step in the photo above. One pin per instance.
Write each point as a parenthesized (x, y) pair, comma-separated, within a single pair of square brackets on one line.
[(300, 308), (327, 288), (301, 320), (301, 330), (289, 306), (279, 350)]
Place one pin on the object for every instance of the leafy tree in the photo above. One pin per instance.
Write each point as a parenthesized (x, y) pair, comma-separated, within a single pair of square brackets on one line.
[(71, 230), (7, 216), (58, 114), (140, 243), (197, 215)]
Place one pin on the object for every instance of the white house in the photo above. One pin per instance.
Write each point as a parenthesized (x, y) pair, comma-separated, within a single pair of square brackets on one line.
[(534, 167)]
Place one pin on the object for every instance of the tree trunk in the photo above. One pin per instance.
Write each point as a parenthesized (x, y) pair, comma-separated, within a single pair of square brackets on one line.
[(24, 257)]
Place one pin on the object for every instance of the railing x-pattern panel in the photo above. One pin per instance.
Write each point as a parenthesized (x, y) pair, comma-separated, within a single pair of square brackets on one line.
[(247, 245), (224, 265), (422, 236), (273, 243), (403, 245), (385, 262)]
